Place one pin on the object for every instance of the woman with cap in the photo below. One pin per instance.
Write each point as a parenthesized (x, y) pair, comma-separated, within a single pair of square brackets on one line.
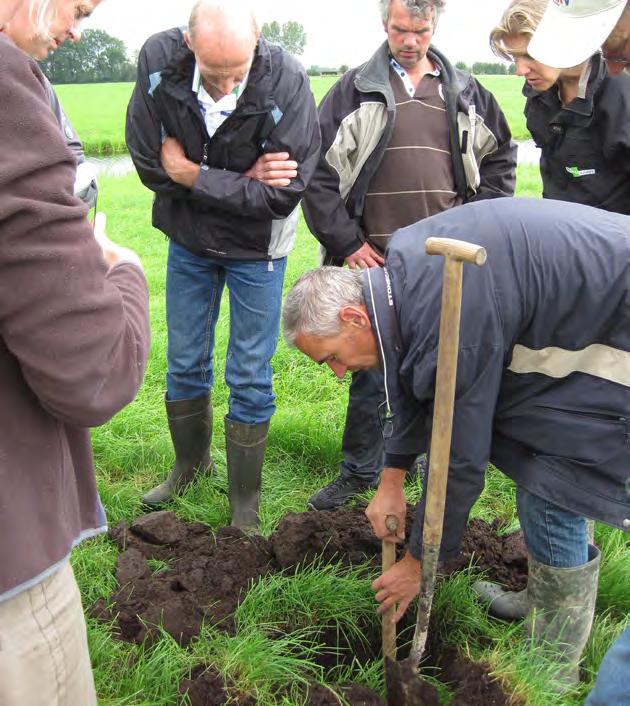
[(573, 30), (578, 116)]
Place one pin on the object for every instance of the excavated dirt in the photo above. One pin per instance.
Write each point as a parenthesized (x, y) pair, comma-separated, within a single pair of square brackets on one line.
[(206, 687), (181, 575), (474, 683)]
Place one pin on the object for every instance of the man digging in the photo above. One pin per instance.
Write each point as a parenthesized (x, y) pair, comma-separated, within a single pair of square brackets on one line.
[(542, 387), (419, 160)]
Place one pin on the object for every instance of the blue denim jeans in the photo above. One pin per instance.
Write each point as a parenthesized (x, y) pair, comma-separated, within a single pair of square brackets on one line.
[(554, 537), (362, 443), (193, 296), (612, 687)]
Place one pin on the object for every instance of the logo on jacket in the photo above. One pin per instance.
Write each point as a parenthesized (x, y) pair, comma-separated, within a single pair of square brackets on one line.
[(563, 3), (576, 172)]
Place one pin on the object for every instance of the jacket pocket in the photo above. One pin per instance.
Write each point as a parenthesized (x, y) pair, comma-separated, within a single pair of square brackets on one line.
[(585, 436)]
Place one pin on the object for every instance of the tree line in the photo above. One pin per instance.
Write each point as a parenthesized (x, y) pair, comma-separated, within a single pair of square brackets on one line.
[(97, 58), (101, 58)]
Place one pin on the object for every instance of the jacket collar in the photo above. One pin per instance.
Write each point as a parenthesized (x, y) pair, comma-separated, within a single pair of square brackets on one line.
[(178, 75), (580, 106), (374, 74), (379, 301)]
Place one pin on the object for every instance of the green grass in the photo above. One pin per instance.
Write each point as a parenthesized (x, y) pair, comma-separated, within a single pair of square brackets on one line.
[(97, 111), (507, 91), (276, 646)]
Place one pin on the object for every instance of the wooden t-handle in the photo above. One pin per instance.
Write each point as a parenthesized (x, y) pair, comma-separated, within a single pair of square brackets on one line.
[(456, 250)]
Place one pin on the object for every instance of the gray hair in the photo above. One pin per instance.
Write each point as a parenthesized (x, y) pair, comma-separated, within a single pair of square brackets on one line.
[(312, 306), (418, 8)]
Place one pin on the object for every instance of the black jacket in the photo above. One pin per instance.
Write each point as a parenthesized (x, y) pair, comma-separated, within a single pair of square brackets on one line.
[(585, 145), (357, 119), (225, 214), (543, 380)]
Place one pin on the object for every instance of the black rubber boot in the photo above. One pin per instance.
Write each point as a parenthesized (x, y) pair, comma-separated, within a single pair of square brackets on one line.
[(190, 424), (245, 446)]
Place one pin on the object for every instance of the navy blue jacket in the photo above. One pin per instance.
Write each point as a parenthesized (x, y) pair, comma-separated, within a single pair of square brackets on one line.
[(543, 386)]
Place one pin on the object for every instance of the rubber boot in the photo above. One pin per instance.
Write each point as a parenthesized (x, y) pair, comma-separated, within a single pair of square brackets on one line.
[(245, 450), (561, 609), (190, 424), (506, 605)]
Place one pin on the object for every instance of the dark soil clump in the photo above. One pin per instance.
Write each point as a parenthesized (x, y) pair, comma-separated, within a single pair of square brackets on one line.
[(354, 695), (503, 559), (344, 535), (180, 575), (206, 687), (475, 686)]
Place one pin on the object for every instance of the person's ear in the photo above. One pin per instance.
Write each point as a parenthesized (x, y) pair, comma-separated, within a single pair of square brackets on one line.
[(187, 39), (354, 316)]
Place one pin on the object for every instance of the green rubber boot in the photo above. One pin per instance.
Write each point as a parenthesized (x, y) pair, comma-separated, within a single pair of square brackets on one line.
[(561, 610), (245, 446), (190, 424)]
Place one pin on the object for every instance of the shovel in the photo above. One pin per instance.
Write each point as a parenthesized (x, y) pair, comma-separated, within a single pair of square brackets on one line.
[(403, 689)]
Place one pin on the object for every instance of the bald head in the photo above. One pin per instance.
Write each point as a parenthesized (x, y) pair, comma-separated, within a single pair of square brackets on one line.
[(223, 35), (231, 20)]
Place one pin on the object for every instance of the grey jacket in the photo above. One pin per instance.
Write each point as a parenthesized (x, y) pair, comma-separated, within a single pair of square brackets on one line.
[(543, 380), (356, 121)]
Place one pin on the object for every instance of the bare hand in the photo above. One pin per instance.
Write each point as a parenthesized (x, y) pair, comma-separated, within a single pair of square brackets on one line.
[(112, 253), (364, 257), (400, 584), (388, 500), (175, 163), (273, 169)]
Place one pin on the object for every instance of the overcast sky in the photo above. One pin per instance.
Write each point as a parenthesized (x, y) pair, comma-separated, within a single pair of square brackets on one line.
[(337, 31)]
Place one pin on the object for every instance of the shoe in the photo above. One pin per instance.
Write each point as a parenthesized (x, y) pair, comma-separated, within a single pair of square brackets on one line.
[(338, 493), (245, 446), (190, 424), (506, 605)]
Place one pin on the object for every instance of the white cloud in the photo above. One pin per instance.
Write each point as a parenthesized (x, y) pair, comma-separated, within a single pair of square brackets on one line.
[(338, 31)]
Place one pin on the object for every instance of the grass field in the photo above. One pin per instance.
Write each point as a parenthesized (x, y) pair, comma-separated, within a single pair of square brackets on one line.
[(133, 452), (97, 111)]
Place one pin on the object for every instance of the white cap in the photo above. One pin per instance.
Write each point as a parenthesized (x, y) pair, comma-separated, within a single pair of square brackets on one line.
[(573, 30)]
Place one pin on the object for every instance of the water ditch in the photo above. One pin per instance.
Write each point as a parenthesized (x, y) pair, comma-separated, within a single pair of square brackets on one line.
[(120, 165)]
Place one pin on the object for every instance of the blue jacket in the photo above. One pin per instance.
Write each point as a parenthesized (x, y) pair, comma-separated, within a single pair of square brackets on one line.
[(543, 386)]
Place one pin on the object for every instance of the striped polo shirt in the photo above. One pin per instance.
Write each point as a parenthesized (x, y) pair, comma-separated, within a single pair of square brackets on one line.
[(415, 177)]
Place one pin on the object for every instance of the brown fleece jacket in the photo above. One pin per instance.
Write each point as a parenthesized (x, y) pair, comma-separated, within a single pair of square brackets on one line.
[(74, 337)]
